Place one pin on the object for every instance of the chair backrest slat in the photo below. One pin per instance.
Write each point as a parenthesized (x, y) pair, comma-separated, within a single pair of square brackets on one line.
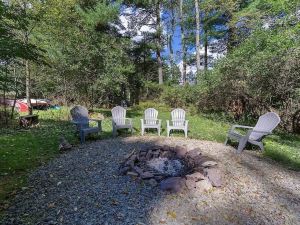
[(150, 116), (118, 115), (267, 123), (80, 115), (178, 117)]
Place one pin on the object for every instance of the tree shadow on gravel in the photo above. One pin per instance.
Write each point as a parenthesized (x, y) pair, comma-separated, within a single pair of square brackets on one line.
[(84, 187)]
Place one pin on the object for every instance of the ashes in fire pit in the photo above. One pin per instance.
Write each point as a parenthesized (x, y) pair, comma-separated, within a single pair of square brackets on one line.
[(174, 168), (165, 166)]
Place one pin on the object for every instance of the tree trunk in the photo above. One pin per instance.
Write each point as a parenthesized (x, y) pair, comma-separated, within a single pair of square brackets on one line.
[(205, 51), (197, 36), (158, 42), (172, 61), (16, 94), (27, 83), (183, 45)]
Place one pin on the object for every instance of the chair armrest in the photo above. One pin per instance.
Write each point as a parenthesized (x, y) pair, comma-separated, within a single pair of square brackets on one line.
[(233, 127), (241, 126), (159, 121), (168, 123), (95, 120), (261, 131), (186, 123), (99, 122)]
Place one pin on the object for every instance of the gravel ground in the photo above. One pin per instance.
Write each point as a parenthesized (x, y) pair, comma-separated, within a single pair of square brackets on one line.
[(83, 187)]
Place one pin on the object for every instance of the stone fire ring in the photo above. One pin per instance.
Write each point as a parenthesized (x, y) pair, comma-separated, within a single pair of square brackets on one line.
[(174, 169)]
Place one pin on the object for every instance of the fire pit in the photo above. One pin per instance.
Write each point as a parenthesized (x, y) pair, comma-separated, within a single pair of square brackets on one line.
[(173, 168)]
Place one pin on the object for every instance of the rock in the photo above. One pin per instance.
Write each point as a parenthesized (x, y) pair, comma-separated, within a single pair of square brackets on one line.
[(199, 169), (64, 145), (196, 176), (193, 153), (214, 175), (133, 174), (158, 178), (209, 163), (203, 185), (149, 155), (190, 184), (197, 160), (124, 170), (138, 170), (165, 148), (156, 154), (180, 151), (173, 184), (153, 182), (147, 175)]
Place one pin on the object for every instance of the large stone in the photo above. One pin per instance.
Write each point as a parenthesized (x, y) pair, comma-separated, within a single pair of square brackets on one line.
[(193, 153), (165, 148), (152, 182), (173, 184), (124, 170), (147, 175), (138, 170), (203, 185), (180, 151), (196, 176), (215, 176), (199, 169), (198, 160), (64, 145), (190, 184), (149, 155), (133, 174), (209, 163)]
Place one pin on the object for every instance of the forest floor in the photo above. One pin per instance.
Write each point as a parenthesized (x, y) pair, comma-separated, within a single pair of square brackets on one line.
[(22, 151), (83, 186)]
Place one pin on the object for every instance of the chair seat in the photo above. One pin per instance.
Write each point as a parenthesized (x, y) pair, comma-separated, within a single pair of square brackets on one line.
[(90, 130), (151, 125), (238, 136), (121, 126), (177, 127)]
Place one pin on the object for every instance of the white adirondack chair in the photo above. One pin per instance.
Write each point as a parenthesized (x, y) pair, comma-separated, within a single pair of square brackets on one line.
[(264, 126), (80, 117), (150, 120), (119, 120), (178, 122)]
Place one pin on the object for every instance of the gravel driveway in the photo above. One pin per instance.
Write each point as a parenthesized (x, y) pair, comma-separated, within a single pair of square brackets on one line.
[(83, 187)]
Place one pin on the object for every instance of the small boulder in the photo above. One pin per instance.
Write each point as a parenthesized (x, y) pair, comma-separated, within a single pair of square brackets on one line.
[(124, 170), (180, 151), (152, 182), (203, 185), (196, 176), (190, 184), (215, 176), (165, 148), (147, 175), (64, 145), (133, 174), (193, 153), (138, 170), (173, 184), (209, 163)]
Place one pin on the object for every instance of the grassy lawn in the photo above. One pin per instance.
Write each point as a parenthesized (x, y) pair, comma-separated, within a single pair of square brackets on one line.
[(23, 150)]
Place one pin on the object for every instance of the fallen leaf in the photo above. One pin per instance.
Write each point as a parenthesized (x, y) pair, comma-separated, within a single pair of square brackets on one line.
[(172, 214)]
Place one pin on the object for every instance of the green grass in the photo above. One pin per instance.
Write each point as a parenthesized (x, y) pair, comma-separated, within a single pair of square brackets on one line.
[(23, 150)]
